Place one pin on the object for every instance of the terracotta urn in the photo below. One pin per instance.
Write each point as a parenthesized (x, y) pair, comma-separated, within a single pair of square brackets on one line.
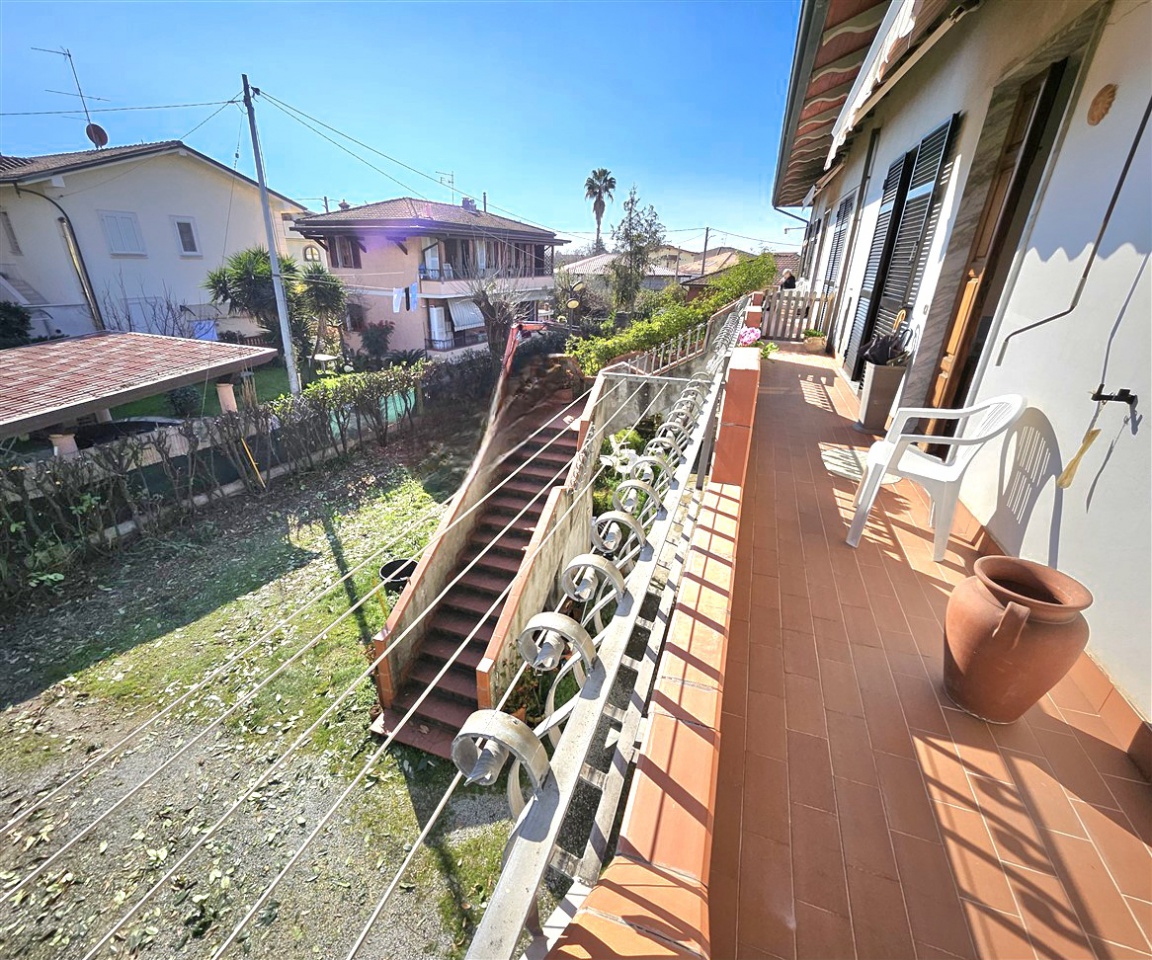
[(1011, 632), (815, 344)]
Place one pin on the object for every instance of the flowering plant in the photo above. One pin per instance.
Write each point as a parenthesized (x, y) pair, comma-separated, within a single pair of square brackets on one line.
[(748, 336)]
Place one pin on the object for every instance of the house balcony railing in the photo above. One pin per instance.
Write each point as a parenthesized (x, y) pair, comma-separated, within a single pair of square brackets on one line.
[(450, 281), (463, 338)]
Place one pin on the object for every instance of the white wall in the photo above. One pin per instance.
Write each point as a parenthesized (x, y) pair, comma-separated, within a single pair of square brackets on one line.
[(1100, 529), (958, 75), (226, 211)]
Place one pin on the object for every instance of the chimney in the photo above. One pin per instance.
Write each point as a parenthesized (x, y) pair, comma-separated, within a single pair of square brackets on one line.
[(468, 204), (345, 205), (485, 201)]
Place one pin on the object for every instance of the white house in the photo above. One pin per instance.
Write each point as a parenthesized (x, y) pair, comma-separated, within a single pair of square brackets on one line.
[(123, 238), (980, 171)]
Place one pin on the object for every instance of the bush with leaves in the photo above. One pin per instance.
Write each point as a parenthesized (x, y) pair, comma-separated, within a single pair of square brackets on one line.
[(185, 401), (15, 324), (375, 338), (469, 377)]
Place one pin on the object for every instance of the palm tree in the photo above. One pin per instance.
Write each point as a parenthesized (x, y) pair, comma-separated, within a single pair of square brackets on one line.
[(596, 188)]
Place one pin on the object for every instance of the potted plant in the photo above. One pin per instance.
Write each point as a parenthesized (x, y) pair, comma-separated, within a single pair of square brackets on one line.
[(885, 359), (815, 341)]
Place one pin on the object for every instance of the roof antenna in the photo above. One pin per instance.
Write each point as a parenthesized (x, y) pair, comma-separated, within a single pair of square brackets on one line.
[(93, 131)]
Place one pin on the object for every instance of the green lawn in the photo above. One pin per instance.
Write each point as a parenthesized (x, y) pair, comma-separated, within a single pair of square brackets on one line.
[(271, 382)]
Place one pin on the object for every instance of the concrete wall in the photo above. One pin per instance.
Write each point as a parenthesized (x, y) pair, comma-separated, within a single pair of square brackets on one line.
[(1099, 529), (226, 212)]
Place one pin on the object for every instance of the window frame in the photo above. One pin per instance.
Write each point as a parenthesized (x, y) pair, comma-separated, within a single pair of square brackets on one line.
[(337, 253), (198, 253), (104, 216), (10, 234), (313, 249)]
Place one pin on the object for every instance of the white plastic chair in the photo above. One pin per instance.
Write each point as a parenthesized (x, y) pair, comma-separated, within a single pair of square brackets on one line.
[(941, 479)]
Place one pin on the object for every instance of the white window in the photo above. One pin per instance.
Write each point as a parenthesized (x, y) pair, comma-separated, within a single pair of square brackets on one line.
[(187, 239), (122, 231), (311, 254), (10, 234)]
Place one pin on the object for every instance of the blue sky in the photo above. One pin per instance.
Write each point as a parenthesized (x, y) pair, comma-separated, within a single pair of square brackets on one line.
[(520, 99)]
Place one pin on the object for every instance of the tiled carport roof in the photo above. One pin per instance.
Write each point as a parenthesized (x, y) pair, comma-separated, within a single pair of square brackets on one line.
[(44, 384)]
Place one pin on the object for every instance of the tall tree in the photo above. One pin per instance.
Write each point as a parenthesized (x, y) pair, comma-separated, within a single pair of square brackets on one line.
[(244, 285), (638, 236), (597, 188)]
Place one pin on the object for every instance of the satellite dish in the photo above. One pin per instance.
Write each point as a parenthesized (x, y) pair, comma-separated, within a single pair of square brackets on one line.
[(96, 134)]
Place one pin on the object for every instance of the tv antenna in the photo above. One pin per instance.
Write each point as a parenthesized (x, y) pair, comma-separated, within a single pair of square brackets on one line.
[(93, 131), (448, 179)]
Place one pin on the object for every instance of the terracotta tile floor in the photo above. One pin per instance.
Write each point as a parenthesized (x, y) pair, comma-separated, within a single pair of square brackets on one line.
[(859, 814)]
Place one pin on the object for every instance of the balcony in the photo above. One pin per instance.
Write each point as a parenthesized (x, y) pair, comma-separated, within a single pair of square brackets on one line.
[(460, 339), (447, 282), (853, 810)]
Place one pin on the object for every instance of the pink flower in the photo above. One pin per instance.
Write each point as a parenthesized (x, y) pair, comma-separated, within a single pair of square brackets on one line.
[(748, 336)]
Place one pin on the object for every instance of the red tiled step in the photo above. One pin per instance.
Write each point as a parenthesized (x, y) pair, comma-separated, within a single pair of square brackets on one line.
[(491, 561), (510, 505), (450, 623), (437, 707), (474, 604), (429, 737), (460, 682), (481, 581), (441, 649)]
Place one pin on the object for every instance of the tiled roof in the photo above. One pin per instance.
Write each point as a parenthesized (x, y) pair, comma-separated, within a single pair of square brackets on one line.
[(406, 210), (47, 383), (20, 168), (598, 264)]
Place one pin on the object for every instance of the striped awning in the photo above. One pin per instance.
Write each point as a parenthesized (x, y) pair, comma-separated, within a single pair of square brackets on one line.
[(466, 314)]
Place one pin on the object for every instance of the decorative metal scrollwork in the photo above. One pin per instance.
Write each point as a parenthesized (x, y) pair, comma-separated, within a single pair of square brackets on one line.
[(664, 446), (675, 432), (654, 470), (485, 742), (619, 537), (548, 636), (638, 499), (595, 583)]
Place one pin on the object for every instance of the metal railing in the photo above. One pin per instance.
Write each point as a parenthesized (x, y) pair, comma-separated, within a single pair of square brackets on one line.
[(464, 338), (605, 588)]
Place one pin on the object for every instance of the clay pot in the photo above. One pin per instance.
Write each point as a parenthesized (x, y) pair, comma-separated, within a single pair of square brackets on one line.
[(1011, 633), (815, 344)]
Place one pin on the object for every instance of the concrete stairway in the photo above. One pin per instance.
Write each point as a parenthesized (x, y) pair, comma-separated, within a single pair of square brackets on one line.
[(453, 698)]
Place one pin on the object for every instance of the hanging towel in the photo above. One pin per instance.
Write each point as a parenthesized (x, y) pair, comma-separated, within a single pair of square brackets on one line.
[(397, 299), (415, 295)]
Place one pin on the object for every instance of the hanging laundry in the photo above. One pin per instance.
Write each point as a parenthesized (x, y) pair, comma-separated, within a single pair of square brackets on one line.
[(415, 295), (397, 299)]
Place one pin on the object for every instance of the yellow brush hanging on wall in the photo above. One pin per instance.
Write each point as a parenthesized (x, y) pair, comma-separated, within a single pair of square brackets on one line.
[(1064, 481)]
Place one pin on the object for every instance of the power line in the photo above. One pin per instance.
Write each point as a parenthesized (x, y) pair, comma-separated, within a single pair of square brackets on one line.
[(159, 106)]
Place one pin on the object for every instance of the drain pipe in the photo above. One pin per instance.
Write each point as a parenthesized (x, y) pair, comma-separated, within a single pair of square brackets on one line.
[(1095, 244), (73, 245)]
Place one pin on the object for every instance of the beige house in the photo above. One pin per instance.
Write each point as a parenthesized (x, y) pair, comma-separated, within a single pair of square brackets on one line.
[(123, 238), (417, 265)]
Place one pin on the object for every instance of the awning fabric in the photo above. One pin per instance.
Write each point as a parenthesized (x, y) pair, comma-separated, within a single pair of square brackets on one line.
[(466, 314)]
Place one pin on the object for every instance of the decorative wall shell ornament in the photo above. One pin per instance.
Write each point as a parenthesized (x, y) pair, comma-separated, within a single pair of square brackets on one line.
[(1101, 104)]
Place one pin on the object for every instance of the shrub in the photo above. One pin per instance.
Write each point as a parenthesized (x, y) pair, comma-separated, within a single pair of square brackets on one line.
[(185, 401), (596, 352), (375, 337), (15, 324)]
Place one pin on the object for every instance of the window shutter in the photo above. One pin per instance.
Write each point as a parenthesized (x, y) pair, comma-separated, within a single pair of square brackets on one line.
[(890, 205), (908, 214), (839, 234), (914, 234), (187, 236)]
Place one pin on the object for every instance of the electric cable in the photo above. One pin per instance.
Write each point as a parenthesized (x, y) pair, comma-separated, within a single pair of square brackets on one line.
[(259, 686), (371, 762), (204, 835), (158, 106)]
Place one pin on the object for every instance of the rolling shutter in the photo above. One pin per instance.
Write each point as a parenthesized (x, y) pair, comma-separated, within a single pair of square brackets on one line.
[(891, 203)]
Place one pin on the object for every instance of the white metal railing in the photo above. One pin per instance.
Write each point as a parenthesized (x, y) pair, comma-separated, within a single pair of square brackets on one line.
[(613, 576)]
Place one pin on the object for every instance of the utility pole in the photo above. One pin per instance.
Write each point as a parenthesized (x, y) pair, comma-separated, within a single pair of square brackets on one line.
[(273, 257), (704, 262)]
